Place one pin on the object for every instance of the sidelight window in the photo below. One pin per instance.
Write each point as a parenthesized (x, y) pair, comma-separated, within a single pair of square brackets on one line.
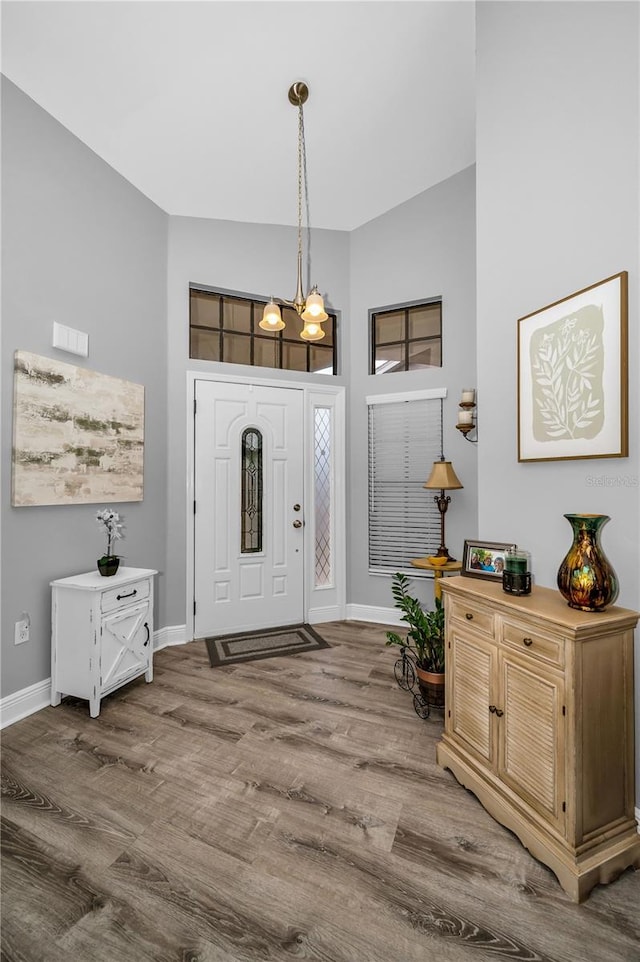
[(323, 483)]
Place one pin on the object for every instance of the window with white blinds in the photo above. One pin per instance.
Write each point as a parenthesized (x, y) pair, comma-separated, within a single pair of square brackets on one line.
[(405, 438)]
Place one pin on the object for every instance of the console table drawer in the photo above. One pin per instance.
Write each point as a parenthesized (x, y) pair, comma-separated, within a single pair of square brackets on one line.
[(473, 615), (532, 643), (125, 595)]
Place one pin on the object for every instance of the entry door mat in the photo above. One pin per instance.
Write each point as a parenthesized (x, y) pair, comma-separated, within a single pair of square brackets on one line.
[(268, 643)]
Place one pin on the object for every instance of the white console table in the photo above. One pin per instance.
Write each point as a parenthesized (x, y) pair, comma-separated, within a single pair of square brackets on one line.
[(101, 633)]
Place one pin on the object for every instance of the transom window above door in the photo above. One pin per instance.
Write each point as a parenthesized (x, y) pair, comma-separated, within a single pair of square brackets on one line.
[(407, 337), (224, 327)]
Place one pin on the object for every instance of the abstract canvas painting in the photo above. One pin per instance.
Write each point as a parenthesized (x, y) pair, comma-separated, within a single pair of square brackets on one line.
[(78, 436)]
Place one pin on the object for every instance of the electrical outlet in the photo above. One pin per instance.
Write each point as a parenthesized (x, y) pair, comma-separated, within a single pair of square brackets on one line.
[(22, 631)]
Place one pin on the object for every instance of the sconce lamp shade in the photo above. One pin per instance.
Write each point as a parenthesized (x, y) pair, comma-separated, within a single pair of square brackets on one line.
[(443, 477), (271, 318), (314, 308)]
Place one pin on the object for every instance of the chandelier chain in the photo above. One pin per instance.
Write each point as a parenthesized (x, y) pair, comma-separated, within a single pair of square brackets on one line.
[(303, 184), (301, 153)]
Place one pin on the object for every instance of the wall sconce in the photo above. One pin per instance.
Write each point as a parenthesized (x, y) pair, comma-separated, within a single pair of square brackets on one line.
[(467, 420)]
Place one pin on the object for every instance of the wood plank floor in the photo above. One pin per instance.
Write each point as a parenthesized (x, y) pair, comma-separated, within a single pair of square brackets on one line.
[(282, 809)]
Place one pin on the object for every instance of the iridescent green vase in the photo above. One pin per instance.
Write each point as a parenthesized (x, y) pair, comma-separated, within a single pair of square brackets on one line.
[(585, 577)]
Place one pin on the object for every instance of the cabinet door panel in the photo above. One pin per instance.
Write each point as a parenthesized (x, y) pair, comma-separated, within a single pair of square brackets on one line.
[(470, 667), (125, 644), (532, 746)]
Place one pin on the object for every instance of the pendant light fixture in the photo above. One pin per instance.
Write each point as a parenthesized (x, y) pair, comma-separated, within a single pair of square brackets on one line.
[(309, 308)]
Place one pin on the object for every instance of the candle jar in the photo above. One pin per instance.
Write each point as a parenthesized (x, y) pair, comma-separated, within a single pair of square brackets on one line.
[(516, 577)]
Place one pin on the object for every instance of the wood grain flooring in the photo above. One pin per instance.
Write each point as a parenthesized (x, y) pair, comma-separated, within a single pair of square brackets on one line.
[(282, 809)]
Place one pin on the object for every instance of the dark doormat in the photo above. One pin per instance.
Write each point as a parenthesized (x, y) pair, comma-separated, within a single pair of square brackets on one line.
[(250, 646)]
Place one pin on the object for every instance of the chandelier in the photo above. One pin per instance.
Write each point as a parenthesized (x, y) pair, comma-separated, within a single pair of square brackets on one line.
[(309, 308)]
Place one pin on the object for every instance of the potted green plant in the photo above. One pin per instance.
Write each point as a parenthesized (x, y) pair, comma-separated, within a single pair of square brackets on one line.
[(424, 639)]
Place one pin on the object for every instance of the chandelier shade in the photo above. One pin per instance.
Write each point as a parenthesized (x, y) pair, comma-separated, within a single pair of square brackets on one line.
[(312, 331), (314, 308), (271, 317)]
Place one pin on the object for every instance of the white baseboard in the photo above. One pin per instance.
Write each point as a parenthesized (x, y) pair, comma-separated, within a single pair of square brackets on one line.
[(25, 702), (36, 697), (172, 635), (330, 613), (384, 616)]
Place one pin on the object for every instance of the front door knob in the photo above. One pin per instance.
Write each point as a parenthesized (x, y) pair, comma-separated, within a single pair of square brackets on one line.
[(297, 524)]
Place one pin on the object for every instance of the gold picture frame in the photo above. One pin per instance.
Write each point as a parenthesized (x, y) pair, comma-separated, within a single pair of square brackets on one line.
[(573, 376)]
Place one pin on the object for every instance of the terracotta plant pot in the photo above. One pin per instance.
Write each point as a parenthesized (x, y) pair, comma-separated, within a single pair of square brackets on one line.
[(432, 686)]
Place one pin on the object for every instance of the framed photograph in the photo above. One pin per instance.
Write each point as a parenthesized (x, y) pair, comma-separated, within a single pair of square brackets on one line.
[(484, 559), (573, 378)]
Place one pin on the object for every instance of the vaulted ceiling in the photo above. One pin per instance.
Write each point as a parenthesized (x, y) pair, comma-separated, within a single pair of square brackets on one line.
[(188, 100)]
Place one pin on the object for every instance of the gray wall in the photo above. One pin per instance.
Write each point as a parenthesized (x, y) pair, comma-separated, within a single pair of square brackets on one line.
[(80, 246), (557, 209), (254, 259), (423, 248), (558, 205)]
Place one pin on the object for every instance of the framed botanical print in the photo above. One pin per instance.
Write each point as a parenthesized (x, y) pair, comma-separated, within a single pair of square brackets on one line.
[(572, 376)]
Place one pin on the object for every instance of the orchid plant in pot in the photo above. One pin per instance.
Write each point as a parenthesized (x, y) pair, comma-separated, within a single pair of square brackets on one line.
[(110, 521)]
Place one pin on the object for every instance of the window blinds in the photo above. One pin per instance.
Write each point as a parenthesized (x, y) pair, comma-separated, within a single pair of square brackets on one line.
[(405, 438)]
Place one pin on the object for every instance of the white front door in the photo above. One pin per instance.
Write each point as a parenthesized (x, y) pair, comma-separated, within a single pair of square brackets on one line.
[(249, 520)]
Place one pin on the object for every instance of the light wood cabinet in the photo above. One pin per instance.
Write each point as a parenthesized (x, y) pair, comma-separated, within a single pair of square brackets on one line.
[(101, 633), (539, 724)]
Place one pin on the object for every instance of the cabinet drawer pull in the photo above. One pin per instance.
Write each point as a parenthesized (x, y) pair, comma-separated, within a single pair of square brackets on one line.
[(527, 641), (469, 616), (148, 635), (499, 712), (130, 595), (492, 709)]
